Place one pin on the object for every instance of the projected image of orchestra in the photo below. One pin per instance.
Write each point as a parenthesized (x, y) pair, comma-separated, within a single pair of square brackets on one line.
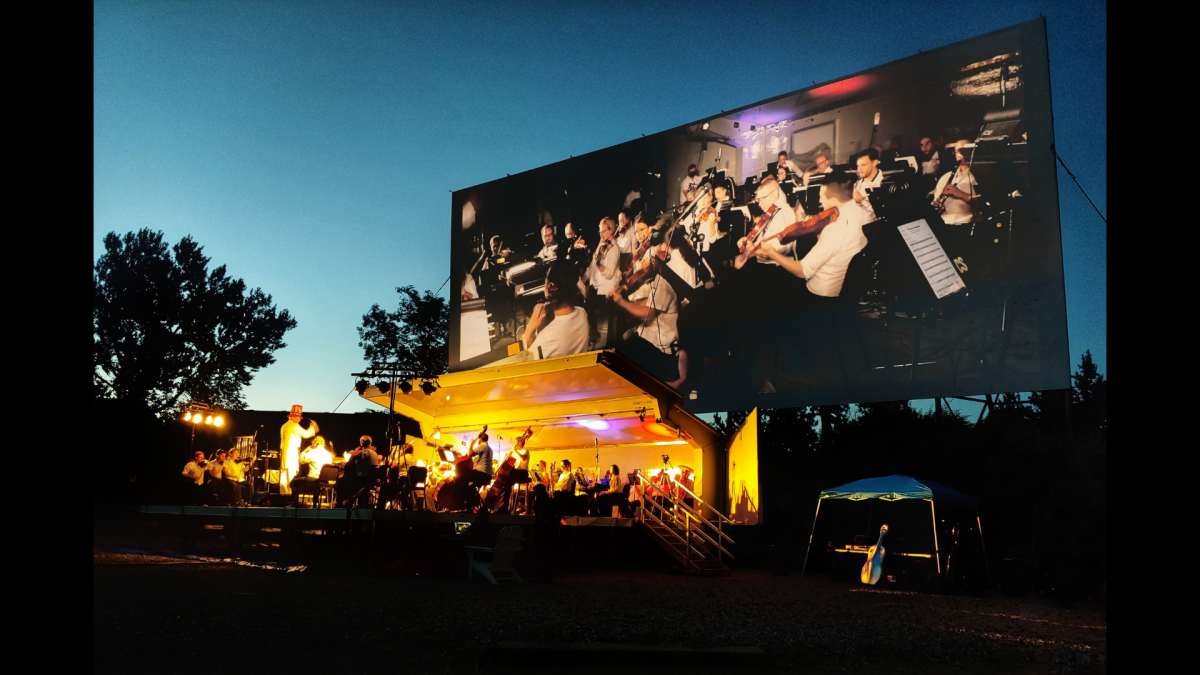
[(884, 236)]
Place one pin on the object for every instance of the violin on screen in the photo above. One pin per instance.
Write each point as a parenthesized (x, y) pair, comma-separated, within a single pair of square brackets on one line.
[(812, 225)]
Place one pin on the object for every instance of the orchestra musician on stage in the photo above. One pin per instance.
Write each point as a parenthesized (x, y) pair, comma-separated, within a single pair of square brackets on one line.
[(481, 455), (193, 473), (235, 474), (613, 495), (357, 476)]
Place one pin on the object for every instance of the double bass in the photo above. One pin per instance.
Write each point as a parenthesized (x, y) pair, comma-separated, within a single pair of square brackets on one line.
[(501, 485), (873, 568), (455, 493)]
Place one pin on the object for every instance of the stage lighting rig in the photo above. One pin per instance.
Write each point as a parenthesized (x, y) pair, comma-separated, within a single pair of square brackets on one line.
[(405, 386), (201, 414), (383, 386), (362, 386), (429, 386)]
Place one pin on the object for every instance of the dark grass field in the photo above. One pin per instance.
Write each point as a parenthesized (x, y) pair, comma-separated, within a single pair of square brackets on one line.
[(162, 615)]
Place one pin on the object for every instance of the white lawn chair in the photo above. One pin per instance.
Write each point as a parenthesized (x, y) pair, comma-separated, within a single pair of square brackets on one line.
[(502, 554)]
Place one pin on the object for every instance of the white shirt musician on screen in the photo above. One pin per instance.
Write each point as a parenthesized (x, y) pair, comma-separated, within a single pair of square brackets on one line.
[(626, 236), (559, 326), (823, 166), (603, 272), (768, 196), (960, 189), (869, 178), (824, 267), (656, 307), (549, 247), (687, 187), (930, 162)]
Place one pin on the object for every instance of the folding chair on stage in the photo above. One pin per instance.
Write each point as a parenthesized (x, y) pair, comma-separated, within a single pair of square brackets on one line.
[(502, 555)]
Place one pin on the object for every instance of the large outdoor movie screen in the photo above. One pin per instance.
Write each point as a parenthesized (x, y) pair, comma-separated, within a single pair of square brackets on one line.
[(890, 235)]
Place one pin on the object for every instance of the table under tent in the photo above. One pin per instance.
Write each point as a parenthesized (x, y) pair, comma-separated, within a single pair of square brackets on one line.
[(934, 539)]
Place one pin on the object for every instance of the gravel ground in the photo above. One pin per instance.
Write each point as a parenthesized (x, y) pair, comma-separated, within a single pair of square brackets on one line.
[(161, 614)]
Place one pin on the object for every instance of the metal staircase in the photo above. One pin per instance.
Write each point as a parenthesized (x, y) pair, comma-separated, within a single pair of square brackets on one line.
[(698, 543)]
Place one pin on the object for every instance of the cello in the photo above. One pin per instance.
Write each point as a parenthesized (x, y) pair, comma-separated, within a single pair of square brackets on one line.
[(501, 484), (873, 568)]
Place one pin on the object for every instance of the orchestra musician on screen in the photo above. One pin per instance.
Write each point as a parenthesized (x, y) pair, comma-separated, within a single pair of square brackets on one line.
[(735, 248)]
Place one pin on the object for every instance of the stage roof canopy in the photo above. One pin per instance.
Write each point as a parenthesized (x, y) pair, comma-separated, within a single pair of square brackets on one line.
[(570, 401), (897, 487)]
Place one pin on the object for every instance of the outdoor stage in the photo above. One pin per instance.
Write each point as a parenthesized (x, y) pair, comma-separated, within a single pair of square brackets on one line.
[(424, 541)]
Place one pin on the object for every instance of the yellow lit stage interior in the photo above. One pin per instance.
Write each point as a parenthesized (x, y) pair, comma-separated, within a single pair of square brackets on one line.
[(581, 405)]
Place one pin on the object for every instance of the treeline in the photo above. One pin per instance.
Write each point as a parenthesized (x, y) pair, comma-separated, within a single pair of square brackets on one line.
[(1036, 463)]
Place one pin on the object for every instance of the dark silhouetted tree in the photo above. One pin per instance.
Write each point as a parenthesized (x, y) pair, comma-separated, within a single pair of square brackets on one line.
[(1089, 399), (165, 327), (413, 336)]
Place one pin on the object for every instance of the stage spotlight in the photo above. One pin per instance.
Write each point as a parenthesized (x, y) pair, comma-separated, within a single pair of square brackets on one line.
[(405, 386), (208, 420), (361, 387), (383, 386), (187, 416), (218, 421), (428, 387), (752, 127), (197, 418), (704, 126)]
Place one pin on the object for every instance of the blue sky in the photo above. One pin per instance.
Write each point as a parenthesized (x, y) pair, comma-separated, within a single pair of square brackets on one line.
[(312, 147)]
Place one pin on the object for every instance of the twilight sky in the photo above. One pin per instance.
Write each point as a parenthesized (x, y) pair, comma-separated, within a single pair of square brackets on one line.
[(312, 147)]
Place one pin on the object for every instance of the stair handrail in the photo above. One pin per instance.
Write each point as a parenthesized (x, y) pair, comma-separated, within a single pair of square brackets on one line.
[(710, 507), (690, 514)]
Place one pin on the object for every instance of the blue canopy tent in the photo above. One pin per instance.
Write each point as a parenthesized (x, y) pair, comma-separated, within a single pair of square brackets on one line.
[(895, 488)]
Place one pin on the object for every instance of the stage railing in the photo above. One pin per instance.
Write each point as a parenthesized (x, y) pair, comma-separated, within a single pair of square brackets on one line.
[(695, 528)]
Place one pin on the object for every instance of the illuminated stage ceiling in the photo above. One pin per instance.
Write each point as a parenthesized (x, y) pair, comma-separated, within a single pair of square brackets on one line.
[(571, 401)]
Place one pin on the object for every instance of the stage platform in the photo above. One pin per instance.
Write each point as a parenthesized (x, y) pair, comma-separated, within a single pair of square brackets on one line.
[(281, 513)]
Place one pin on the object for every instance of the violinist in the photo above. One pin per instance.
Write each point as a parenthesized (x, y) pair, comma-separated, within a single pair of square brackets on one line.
[(194, 470), (603, 271), (626, 237), (824, 267), (193, 474), (774, 219), (655, 307)]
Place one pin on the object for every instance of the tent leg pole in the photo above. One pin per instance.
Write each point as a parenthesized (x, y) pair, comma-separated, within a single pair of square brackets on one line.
[(936, 554), (986, 569), (810, 538)]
